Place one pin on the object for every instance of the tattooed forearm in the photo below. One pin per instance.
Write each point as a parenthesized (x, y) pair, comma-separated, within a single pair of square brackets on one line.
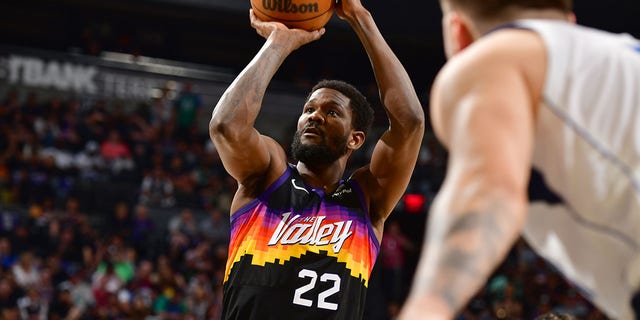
[(472, 244)]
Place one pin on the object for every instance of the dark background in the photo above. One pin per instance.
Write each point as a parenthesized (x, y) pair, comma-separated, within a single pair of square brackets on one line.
[(217, 33)]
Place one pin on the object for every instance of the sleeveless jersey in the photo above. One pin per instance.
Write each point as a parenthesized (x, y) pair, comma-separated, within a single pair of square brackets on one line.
[(297, 253), (587, 154)]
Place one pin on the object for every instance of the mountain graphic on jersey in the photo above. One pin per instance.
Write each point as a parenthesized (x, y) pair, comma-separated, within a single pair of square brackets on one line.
[(278, 237)]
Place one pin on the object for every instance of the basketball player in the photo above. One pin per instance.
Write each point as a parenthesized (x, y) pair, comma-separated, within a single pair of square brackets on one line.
[(303, 239), (525, 87)]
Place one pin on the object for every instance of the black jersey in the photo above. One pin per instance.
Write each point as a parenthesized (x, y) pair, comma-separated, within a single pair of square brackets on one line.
[(297, 253)]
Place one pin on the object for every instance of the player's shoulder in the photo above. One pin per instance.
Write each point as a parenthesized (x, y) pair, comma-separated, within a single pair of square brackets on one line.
[(489, 67), (499, 49), (489, 58)]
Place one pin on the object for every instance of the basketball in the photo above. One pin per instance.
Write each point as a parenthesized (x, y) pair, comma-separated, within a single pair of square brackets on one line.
[(301, 14)]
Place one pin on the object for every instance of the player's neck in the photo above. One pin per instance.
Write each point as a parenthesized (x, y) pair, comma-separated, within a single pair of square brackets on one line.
[(325, 176)]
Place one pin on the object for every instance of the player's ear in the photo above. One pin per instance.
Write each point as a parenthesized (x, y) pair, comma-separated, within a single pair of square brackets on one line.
[(571, 17), (461, 31), (356, 141)]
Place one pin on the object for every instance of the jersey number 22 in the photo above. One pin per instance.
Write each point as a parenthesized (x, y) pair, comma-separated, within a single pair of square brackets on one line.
[(322, 296)]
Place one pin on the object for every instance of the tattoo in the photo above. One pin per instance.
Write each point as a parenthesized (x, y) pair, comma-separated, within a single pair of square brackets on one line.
[(472, 243)]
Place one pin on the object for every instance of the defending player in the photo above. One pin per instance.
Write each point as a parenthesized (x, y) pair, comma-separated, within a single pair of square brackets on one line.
[(526, 87)]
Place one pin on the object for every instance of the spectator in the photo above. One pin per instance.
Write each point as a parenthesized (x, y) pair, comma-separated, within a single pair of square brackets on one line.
[(7, 257), (183, 180), (170, 304), (142, 230), (31, 108), (508, 306), (90, 163), (45, 287), (62, 306), (80, 291), (157, 189), (116, 153), (199, 297), (121, 222), (184, 224), (393, 250), (188, 107), (72, 216), (143, 280), (105, 283), (198, 259), (215, 228), (113, 147), (162, 112), (55, 267), (32, 306), (9, 295), (25, 272)]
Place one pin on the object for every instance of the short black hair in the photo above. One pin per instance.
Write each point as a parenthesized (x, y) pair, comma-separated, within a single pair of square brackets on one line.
[(362, 110)]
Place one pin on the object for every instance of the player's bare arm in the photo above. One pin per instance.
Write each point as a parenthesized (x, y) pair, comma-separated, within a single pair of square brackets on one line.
[(482, 110), (395, 155), (252, 159)]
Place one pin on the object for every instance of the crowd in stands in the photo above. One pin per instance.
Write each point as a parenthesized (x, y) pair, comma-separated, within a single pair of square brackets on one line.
[(113, 214)]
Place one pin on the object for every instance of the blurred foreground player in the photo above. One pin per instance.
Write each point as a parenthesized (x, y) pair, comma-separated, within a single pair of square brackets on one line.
[(525, 87), (303, 239)]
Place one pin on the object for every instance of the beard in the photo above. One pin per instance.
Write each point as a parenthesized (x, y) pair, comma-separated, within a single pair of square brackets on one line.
[(318, 153)]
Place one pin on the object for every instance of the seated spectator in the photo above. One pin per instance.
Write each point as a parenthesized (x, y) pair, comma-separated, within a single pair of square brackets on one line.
[(105, 283), (7, 257), (184, 224), (90, 164), (170, 304), (25, 272), (120, 222), (157, 189), (72, 216), (62, 305), (117, 153), (9, 295), (393, 250), (32, 306), (215, 228), (142, 230), (81, 292)]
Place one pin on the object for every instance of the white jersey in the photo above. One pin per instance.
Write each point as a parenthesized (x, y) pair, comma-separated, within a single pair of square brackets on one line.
[(587, 149)]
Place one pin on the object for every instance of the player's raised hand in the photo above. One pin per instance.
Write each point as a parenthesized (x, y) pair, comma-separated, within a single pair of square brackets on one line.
[(279, 32), (346, 9)]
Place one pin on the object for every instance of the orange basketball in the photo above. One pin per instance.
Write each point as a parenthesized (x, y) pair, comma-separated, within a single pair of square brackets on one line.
[(302, 14)]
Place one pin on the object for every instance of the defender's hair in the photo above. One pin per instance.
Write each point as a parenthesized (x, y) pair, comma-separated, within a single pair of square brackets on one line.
[(362, 111), (490, 9)]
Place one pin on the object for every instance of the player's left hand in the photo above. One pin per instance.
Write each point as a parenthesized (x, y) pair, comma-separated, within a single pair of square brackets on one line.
[(293, 37)]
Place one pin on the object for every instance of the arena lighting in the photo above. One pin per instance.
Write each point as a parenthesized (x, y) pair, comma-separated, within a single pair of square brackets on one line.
[(413, 203)]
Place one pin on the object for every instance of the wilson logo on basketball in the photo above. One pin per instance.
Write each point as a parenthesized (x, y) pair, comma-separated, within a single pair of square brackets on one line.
[(287, 6)]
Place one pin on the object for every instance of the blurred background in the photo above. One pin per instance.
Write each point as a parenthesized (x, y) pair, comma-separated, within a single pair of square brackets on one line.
[(113, 201)]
